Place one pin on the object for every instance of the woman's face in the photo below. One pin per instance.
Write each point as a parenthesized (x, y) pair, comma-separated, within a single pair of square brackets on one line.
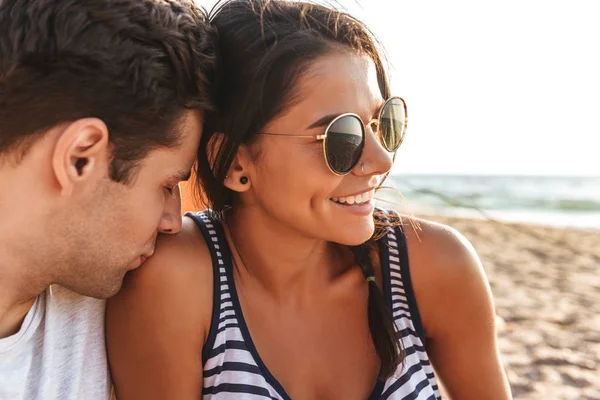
[(289, 180)]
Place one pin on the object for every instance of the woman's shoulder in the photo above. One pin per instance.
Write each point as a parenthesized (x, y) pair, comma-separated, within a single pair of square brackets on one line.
[(428, 239), (185, 252), (436, 243), (177, 281), (179, 261)]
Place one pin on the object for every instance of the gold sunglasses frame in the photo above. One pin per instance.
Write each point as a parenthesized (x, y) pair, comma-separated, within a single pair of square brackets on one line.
[(377, 120)]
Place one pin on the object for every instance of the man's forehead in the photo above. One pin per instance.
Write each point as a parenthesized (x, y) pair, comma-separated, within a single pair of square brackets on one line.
[(175, 163), (189, 129), (190, 123)]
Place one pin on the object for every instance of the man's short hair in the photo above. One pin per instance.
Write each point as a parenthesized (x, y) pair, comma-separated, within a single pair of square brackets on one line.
[(135, 64)]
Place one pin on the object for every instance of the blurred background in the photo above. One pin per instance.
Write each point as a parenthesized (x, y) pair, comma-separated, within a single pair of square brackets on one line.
[(503, 144)]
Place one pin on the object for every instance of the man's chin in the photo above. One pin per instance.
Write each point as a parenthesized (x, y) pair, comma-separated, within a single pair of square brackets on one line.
[(109, 292), (104, 291)]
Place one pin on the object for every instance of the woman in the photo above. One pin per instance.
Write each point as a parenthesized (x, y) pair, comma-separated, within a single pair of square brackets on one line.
[(294, 286)]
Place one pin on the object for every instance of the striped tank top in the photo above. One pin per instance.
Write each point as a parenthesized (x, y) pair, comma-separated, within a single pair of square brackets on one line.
[(233, 368)]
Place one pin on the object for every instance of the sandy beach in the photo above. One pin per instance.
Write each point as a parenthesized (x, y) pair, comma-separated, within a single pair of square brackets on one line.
[(546, 286)]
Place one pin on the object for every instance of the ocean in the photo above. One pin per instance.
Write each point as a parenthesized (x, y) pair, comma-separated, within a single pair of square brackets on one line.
[(572, 202)]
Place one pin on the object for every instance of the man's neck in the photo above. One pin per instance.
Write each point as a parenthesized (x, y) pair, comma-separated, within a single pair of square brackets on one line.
[(12, 318), (21, 245), (18, 291)]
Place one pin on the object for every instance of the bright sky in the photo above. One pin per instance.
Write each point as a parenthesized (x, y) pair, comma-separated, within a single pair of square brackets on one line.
[(509, 87)]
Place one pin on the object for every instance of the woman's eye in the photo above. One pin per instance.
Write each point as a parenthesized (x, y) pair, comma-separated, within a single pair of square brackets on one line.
[(170, 190)]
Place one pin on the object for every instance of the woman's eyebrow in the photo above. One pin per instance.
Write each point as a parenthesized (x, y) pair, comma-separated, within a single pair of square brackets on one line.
[(324, 121)]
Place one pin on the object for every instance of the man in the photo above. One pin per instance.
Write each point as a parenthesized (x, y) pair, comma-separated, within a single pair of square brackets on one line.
[(100, 117)]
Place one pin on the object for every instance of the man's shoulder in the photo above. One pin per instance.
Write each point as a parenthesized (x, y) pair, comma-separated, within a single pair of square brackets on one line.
[(63, 355), (75, 324)]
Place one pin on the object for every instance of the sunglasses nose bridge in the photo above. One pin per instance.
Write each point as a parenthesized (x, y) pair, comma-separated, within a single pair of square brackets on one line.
[(376, 155), (373, 125)]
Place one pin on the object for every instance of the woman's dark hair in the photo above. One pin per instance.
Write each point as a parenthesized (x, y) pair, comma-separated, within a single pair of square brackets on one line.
[(265, 47)]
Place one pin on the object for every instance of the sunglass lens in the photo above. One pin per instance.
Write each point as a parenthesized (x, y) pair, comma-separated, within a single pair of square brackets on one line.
[(392, 123), (344, 144)]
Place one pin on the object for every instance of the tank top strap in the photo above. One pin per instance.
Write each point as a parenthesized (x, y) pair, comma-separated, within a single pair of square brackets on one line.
[(397, 283), (223, 314)]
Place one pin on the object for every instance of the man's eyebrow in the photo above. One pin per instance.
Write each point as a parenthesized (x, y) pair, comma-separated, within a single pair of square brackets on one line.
[(181, 176)]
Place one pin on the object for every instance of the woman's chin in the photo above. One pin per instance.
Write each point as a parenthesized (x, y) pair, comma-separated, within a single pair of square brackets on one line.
[(355, 236)]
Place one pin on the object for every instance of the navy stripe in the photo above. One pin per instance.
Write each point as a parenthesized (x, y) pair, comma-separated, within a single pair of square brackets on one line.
[(227, 317), (227, 326), (415, 394), (394, 267), (230, 344), (410, 350), (401, 381), (238, 388), (425, 363), (400, 306), (401, 316), (415, 348), (407, 331), (232, 366), (225, 309)]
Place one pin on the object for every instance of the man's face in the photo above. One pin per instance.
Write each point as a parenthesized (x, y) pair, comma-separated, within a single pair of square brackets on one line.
[(116, 230)]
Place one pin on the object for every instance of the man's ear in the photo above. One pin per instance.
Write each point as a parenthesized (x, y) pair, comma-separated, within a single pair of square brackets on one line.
[(80, 151)]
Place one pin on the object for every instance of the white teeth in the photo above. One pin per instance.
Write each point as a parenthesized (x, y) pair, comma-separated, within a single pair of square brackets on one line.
[(358, 199)]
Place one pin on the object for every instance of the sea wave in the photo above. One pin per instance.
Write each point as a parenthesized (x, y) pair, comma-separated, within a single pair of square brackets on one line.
[(562, 201)]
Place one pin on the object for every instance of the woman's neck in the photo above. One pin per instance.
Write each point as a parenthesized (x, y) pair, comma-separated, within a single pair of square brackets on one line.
[(287, 264)]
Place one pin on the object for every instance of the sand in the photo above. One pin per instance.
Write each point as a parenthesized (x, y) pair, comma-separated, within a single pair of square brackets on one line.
[(546, 287)]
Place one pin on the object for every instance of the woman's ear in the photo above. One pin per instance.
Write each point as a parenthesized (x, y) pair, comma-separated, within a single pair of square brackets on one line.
[(238, 176)]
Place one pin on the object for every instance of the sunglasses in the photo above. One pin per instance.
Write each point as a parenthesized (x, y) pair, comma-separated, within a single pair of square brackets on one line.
[(344, 137)]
